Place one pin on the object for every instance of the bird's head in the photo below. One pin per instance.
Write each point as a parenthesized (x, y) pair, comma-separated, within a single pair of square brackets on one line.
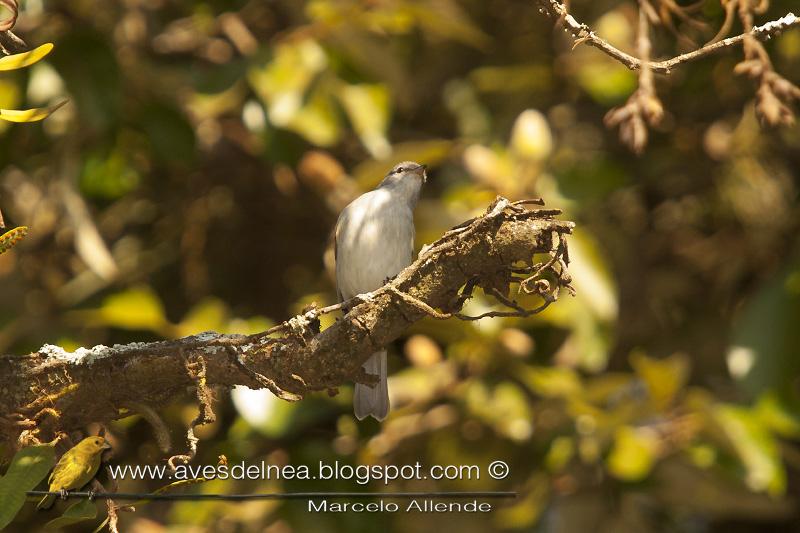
[(406, 179), (93, 444), (409, 170)]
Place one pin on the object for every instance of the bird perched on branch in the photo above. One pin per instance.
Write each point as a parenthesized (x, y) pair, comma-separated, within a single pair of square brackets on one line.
[(374, 242), (75, 469)]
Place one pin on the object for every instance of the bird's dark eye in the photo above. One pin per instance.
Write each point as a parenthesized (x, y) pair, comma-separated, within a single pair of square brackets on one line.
[(399, 170)]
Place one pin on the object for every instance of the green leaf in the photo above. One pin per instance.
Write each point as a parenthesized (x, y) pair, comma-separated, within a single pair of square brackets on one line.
[(756, 447), (28, 467), (764, 361), (25, 59), (109, 176), (778, 416), (634, 453), (171, 136), (88, 65), (79, 511)]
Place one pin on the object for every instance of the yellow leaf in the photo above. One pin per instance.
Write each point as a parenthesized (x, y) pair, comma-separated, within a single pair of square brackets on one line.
[(555, 382), (24, 59), (29, 115), (210, 314), (136, 308), (367, 106), (633, 454), (664, 377), (561, 451), (531, 137)]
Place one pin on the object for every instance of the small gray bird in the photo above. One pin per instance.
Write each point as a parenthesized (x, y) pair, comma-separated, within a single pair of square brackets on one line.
[(374, 242)]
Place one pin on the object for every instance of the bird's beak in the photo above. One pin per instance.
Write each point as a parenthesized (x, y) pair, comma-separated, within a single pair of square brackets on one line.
[(424, 168), (106, 446)]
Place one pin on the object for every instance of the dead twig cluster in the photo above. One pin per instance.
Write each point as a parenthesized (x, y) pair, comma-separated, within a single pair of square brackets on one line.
[(643, 110)]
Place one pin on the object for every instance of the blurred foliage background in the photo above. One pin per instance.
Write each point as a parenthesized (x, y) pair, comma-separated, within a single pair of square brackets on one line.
[(192, 181)]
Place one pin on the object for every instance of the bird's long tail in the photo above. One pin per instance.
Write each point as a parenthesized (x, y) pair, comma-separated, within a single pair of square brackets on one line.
[(46, 502), (373, 400)]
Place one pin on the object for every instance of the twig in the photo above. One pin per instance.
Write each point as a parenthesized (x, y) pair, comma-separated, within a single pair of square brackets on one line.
[(159, 427), (198, 372), (583, 34), (643, 108), (775, 94), (10, 43)]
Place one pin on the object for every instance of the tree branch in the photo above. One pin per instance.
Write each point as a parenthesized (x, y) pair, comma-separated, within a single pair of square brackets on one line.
[(582, 33), (53, 390)]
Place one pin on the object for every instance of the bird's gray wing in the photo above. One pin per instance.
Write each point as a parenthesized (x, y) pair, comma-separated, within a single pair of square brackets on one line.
[(336, 253)]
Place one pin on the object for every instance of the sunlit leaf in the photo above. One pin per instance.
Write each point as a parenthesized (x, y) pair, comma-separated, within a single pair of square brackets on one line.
[(208, 315), (29, 115), (136, 308), (448, 19), (28, 468), (368, 107), (263, 410), (633, 453), (664, 378), (492, 167), (10, 98), (776, 415), (317, 121), (756, 447), (551, 382), (281, 83), (24, 59), (531, 137)]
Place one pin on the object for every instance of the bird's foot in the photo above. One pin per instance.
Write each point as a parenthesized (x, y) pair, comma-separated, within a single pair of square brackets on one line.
[(91, 494), (62, 493)]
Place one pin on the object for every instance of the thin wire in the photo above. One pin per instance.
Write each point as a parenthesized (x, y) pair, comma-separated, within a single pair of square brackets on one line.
[(269, 496)]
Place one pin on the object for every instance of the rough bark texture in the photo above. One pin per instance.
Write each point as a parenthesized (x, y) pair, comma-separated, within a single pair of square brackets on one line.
[(52, 390)]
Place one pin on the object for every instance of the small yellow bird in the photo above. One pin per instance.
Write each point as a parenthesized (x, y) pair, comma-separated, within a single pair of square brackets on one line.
[(75, 468)]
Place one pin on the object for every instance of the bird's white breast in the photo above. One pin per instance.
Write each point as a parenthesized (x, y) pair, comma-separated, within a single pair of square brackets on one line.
[(374, 241)]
